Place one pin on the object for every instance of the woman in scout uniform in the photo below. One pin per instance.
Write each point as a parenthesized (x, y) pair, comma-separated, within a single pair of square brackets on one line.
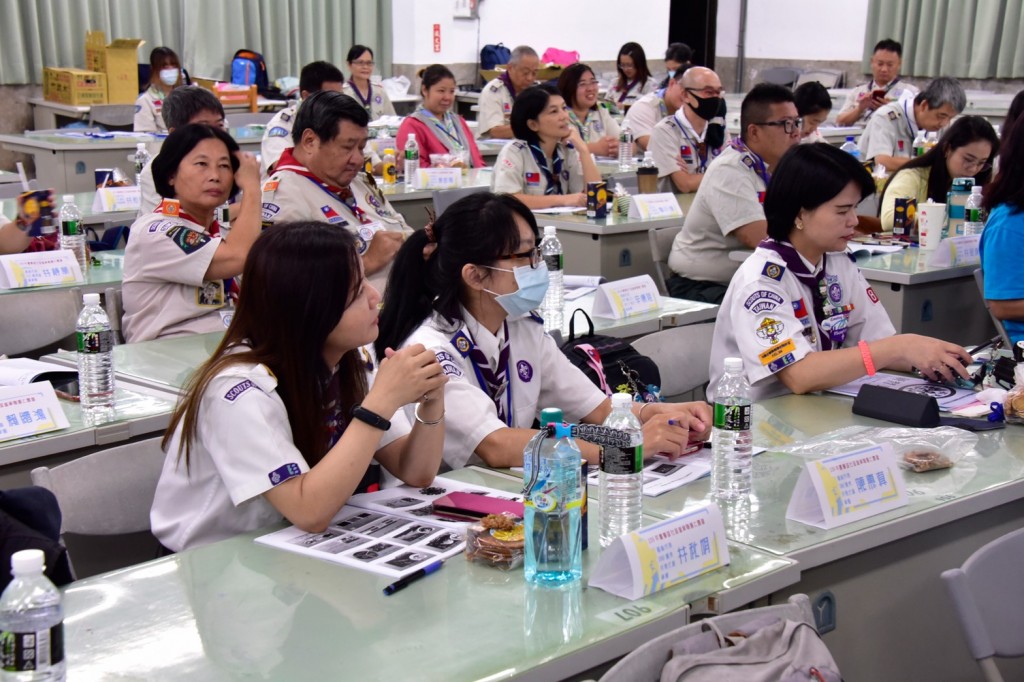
[(543, 166), (596, 126), (371, 96), (285, 419), (799, 293), (437, 129), (176, 262), (465, 288), (164, 76), (635, 78)]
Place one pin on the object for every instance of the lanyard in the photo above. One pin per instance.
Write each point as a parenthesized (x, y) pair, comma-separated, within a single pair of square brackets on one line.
[(554, 180), (449, 127), (700, 146), (910, 126), (492, 383), (752, 160)]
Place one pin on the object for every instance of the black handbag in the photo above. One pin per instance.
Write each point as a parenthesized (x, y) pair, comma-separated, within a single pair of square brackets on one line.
[(612, 364)]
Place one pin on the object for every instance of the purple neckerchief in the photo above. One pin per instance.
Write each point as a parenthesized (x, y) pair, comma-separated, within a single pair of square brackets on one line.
[(494, 383), (756, 163), (816, 283), (508, 84), (629, 87)]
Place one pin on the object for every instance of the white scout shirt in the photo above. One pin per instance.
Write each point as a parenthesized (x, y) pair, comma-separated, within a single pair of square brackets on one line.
[(634, 93), (148, 118), (149, 199), (599, 124), (541, 376), (377, 103), (674, 138), (645, 113), (277, 137), (517, 172), (895, 91), (890, 124), (164, 290), (730, 196), (243, 448), (495, 107), (767, 317)]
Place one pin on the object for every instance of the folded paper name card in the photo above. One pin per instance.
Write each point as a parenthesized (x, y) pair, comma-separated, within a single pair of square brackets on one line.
[(109, 199), (662, 205), (843, 488), (665, 554), (29, 409), (626, 297), (953, 251), (39, 269), (438, 178)]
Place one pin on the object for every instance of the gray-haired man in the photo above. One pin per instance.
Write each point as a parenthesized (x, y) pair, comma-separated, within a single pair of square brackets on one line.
[(498, 95)]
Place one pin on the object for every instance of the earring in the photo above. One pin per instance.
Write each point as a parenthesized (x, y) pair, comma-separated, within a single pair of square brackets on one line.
[(799, 224)]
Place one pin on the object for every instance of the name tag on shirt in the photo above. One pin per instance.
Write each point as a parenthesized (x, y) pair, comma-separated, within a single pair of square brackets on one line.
[(364, 235)]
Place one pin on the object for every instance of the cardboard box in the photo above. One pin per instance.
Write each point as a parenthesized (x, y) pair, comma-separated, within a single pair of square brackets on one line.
[(545, 74), (119, 61), (74, 86)]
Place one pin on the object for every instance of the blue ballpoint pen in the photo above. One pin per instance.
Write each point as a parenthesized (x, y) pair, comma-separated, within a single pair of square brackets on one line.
[(413, 577)]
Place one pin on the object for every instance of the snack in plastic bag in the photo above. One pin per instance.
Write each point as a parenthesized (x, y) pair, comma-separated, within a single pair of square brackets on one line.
[(925, 460), (496, 540)]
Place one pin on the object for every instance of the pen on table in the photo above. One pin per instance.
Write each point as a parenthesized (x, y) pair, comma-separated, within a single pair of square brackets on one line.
[(413, 577)]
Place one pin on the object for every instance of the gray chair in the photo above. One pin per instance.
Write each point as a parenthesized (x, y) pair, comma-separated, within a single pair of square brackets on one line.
[(38, 320), (683, 356), (11, 190), (829, 79), (112, 115), (988, 599), (780, 75), (661, 239), (445, 198), (242, 120), (979, 279), (114, 308)]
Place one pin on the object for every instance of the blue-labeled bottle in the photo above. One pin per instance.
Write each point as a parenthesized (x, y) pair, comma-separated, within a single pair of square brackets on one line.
[(553, 506)]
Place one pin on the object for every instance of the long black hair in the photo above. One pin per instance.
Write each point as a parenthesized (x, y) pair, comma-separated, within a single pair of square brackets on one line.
[(477, 229)]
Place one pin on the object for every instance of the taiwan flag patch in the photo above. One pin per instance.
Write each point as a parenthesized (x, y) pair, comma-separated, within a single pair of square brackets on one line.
[(760, 197), (532, 178), (330, 215)]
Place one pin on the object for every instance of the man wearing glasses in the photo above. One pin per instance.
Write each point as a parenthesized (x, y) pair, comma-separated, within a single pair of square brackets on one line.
[(728, 213), (498, 95), (654, 106), (685, 143)]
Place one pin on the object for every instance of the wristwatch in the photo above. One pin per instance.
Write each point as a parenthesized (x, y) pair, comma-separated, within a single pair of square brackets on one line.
[(372, 418)]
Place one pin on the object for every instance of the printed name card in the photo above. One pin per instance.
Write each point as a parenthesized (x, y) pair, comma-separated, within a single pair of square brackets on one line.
[(29, 409), (957, 251), (670, 552), (110, 199), (39, 269), (626, 297), (843, 488), (662, 205), (438, 178)]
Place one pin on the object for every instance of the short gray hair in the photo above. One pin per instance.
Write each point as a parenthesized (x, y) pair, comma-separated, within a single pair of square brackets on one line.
[(520, 52), (182, 104), (943, 91)]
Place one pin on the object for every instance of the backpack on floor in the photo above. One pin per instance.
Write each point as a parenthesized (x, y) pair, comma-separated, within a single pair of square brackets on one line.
[(612, 364), (492, 55), (249, 68)]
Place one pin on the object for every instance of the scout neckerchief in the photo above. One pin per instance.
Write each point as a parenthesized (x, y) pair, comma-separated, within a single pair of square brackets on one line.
[(287, 162), (699, 145), (369, 94), (495, 384), (662, 107), (504, 78), (158, 96), (164, 208), (752, 160), (336, 422), (447, 130), (825, 296), (554, 181), (584, 126), (625, 93)]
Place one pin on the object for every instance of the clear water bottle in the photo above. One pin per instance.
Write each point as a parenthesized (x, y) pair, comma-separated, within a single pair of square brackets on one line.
[(554, 299), (974, 216), (920, 143), (931, 140), (625, 147), (412, 159), (72, 232), (95, 362), (850, 147), (141, 160), (622, 475), (732, 441), (32, 623), (553, 510)]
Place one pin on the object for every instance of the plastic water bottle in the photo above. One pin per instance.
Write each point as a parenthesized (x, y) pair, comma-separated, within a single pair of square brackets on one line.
[(552, 509), (554, 299), (732, 442), (72, 232), (920, 143), (974, 218), (95, 362), (851, 148), (389, 171), (931, 140), (141, 159), (625, 147), (412, 160), (32, 622), (622, 475)]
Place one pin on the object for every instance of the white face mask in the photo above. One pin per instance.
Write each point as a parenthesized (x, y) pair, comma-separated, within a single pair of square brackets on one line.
[(169, 76)]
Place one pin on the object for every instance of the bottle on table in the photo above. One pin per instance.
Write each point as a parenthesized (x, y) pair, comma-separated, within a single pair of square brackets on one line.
[(931, 140), (141, 159), (72, 232), (625, 147), (95, 362), (731, 440), (553, 506), (554, 299), (647, 175), (974, 217), (920, 143), (389, 171), (901, 150), (851, 147), (622, 478), (32, 623), (412, 160)]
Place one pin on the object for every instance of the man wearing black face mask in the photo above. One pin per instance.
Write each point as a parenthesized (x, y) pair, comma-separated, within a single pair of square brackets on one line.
[(685, 143)]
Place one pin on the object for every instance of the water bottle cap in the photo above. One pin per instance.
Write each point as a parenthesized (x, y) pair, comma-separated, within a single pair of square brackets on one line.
[(412, 136), (975, 189), (140, 146), (91, 299), (550, 415), (68, 198), (734, 364), (621, 401), (849, 138), (549, 231), (27, 561), (648, 155)]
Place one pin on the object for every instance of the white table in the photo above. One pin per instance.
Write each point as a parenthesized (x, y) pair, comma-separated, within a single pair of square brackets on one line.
[(48, 115)]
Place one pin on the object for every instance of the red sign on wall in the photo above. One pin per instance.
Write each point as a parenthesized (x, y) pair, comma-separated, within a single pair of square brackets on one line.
[(437, 37)]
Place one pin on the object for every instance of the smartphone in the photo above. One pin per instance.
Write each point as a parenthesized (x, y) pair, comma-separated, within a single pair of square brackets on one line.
[(879, 95), (67, 389)]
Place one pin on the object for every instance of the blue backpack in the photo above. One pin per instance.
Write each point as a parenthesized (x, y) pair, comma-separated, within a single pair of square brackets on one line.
[(492, 55), (249, 68)]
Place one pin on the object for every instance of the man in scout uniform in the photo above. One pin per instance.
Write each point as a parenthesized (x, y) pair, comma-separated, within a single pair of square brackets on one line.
[(497, 96), (322, 178), (884, 87), (277, 137), (654, 106)]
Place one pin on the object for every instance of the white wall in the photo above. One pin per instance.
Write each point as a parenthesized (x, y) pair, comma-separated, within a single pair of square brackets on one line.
[(832, 30), (594, 28)]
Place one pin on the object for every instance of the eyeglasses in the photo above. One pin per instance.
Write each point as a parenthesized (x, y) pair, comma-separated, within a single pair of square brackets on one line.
[(363, 62), (979, 165), (533, 254), (706, 92), (788, 125), (587, 84), (627, 67)]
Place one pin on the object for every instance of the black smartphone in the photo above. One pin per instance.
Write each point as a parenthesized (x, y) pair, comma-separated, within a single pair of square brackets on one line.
[(66, 388)]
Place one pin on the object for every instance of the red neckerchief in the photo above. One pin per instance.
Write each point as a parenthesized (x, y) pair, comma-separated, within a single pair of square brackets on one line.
[(288, 163)]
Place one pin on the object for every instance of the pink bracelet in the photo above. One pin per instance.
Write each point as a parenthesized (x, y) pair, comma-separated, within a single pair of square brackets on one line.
[(865, 354)]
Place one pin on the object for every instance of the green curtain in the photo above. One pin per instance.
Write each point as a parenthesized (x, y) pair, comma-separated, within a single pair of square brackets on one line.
[(959, 38)]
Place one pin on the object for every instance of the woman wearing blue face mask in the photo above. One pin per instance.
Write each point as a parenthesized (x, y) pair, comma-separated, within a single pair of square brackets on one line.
[(465, 288), (164, 76)]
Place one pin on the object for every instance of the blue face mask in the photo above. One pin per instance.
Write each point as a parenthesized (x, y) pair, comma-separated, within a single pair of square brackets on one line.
[(533, 284), (671, 74)]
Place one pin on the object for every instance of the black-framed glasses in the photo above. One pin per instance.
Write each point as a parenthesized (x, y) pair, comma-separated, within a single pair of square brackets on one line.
[(788, 125), (706, 92), (533, 254)]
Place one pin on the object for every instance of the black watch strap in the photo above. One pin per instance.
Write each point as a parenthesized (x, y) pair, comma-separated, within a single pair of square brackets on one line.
[(372, 418)]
